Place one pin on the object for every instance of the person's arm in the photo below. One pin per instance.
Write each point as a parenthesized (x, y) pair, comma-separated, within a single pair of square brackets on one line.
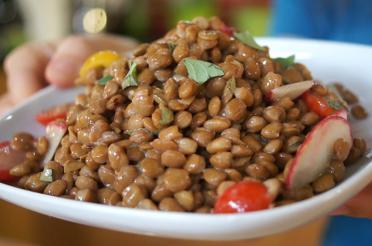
[(358, 206), (33, 65)]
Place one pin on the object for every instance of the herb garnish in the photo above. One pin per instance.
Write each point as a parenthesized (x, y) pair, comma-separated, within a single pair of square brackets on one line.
[(247, 38), (131, 77), (286, 62), (201, 71), (104, 80)]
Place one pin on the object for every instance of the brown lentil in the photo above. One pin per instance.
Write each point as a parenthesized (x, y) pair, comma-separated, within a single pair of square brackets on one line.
[(337, 170), (359, 112), (213, 176), (176, 179), (323, 183), (56, 188), (86, 195), (195, 164)]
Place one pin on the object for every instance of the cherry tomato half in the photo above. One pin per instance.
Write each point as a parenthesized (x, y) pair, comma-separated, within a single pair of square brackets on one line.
[(318, 104), (5, 177), (245, 196)]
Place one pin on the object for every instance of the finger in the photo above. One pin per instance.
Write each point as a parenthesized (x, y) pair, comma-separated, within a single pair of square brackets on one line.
[(71, 53), (6, 103), (358, 206), (25, 67)]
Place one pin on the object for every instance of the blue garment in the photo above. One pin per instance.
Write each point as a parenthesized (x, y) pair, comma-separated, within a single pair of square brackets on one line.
[(342, 20), (346, 231)]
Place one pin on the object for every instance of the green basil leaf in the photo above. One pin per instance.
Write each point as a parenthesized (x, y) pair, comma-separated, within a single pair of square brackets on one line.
[(131, 78), (247, 38), (286, 62), (166, 115), (201, 71), (47, 175), (104, 80)]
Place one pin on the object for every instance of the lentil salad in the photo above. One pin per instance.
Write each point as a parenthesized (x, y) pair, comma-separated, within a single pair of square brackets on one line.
[(181, 122)]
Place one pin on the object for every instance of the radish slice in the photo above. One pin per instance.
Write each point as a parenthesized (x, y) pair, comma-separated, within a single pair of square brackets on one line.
[(291, 90), (54, 133), (342, 113), (315, 154)]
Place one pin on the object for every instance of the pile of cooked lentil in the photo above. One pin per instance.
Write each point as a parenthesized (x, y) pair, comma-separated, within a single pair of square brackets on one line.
[(178, 121)]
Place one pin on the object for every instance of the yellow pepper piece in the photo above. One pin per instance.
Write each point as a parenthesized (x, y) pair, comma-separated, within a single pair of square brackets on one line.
[(100, 59)]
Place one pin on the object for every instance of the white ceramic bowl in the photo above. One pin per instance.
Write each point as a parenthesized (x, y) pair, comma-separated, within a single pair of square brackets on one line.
[(328, 61)]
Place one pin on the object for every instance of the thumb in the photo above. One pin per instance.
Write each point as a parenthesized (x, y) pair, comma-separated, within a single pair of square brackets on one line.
[(64, 66)]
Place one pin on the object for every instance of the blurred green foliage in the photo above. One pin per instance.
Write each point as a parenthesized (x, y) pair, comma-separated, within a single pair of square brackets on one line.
[(11, 37), (188, 9), (253, 19)]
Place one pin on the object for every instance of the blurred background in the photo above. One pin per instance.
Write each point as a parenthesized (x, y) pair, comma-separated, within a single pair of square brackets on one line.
[(31, 20), (23, 20)]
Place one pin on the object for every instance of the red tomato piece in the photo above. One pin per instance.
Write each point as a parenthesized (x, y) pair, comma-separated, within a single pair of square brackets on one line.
[(3, 145), (245, 196), (5, 177), (52, 114), (318, 104)]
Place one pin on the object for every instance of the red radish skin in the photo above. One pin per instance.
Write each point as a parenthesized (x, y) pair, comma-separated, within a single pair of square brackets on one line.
[(342, 113), (315, 154), (291, 90)]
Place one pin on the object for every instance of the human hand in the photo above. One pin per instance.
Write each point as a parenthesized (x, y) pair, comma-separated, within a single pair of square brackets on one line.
[(359, 206), (33, 65)]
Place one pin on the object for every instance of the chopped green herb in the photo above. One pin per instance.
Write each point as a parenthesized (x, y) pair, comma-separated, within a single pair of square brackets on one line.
[(286, 62), (131, 77), (335, 104), (104, 80), (166, 115), (247, 38), (201, 71), (47, 175), (171, 46), (336, 93)]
